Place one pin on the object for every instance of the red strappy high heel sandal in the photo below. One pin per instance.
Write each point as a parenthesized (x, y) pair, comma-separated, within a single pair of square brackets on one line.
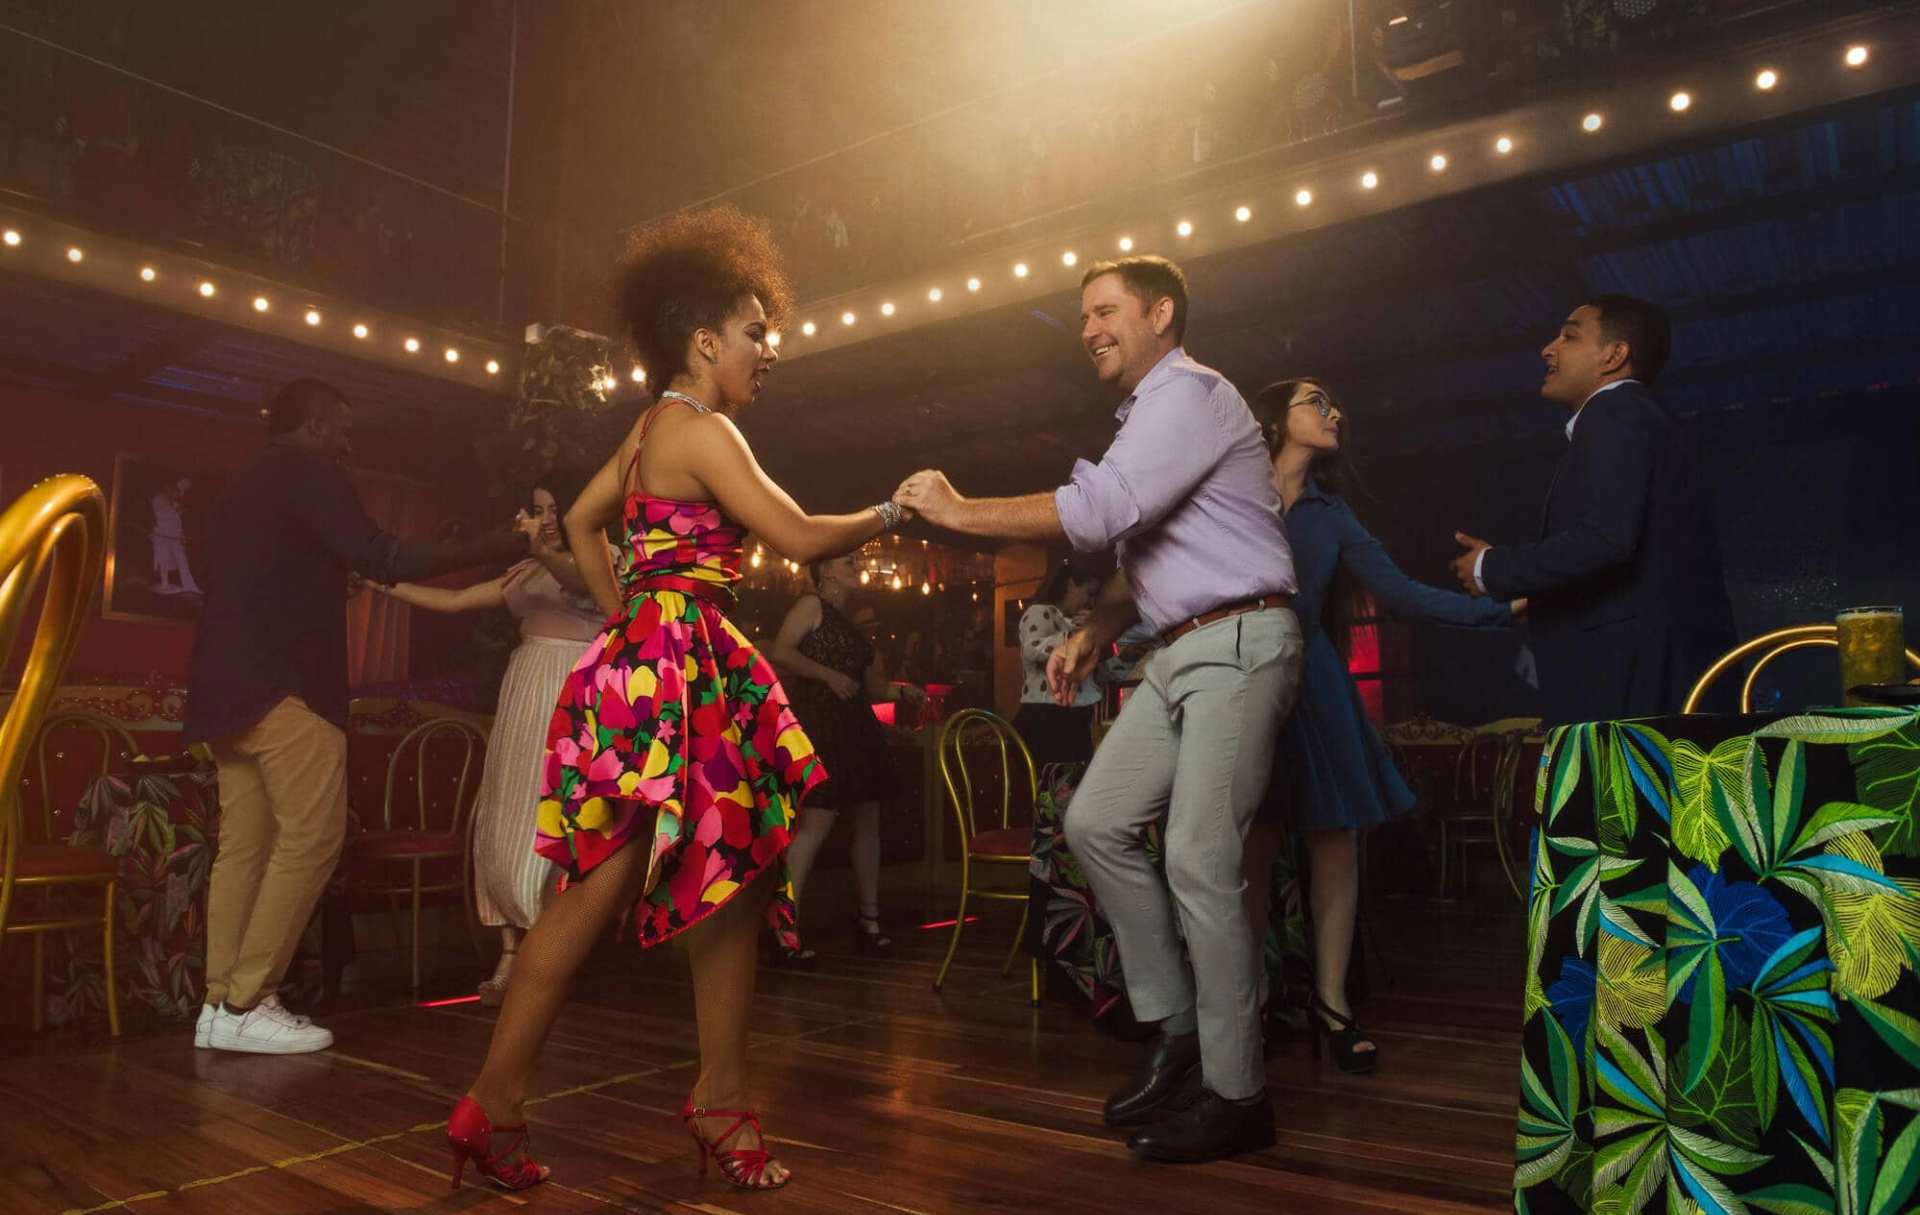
[(470, 1134), (744, 1167)]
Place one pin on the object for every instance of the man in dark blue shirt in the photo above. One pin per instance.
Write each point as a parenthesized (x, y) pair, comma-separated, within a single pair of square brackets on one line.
[(268, 695)]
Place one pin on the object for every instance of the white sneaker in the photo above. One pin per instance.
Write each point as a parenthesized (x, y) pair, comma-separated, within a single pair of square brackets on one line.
[(273, 1001), (267, 1029), (204, 1025)]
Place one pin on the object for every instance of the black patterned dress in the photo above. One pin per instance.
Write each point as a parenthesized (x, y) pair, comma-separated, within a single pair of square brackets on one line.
[(846, 735)]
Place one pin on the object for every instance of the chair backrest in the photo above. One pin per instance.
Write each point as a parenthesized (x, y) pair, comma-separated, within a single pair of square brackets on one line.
[(1429, 754), (56, 532), (1768, 646), (72, 748), (982, 732), (447, 756)]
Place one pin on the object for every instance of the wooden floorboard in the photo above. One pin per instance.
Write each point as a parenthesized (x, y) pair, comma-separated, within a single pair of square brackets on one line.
[(880, 1094)]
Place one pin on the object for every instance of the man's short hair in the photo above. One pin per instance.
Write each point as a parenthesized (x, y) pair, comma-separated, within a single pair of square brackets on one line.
[(1642, 326), (1149, 279), (299, 402)]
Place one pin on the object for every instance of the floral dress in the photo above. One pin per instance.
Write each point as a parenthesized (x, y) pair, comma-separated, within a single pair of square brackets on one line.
[(672, 719)]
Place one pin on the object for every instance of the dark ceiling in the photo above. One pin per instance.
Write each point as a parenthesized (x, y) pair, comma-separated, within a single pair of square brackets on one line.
[(1788, 256)]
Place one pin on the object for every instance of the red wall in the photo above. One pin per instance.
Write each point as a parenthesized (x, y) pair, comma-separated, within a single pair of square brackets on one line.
[(47, 433)]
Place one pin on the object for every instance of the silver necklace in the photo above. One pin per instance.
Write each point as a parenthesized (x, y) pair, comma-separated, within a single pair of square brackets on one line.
[(671, 395)]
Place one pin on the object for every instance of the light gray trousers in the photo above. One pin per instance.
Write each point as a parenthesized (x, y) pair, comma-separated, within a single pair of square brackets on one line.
[(1194, 741)]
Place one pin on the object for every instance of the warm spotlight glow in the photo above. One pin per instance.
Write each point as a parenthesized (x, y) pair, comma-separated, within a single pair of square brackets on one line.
[(313, 316), (897, 584), (1503, 145), (638, 375), (1184, 227), (1439, 162), (848, 318), (610, 384), (1680, 102), (934, 294), (1592, 123), (757, 560), (773, 339), (493, 366), (1126, 244), (360, 331), (1303, 198), (148, 274), (1019, 269), (260, 303), (1856, 56), (973, 284), (886, 309), (206, 289), (1766, 79), (1069, 258), (412, 345), (1243, 214), (74, 254), (452, 355), (809, 329), (926, 588), (865, 577), (11, 237), (1369, 180)]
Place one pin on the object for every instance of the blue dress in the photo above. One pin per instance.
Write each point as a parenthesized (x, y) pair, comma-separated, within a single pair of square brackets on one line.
[(1330, 770)]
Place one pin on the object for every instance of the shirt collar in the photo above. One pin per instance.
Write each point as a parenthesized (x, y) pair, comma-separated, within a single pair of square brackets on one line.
[(1596, 392), (1161, 369), (1312, 490)]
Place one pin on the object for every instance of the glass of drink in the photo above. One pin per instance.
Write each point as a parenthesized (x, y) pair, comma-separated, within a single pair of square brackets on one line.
[(1872, 648)]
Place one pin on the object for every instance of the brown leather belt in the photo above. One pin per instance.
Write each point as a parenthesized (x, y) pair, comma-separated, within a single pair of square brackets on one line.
[(1221, 613)]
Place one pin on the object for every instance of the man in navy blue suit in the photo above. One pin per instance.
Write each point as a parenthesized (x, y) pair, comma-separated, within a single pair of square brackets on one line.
[(1627, 602)]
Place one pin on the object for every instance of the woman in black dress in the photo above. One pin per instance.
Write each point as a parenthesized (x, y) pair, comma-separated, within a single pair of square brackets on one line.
[(834, 676)]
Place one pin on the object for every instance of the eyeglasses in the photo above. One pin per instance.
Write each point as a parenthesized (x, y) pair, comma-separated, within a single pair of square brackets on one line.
[(1319, 402)]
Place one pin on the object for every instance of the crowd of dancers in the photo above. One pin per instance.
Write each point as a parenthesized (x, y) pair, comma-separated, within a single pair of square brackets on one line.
[(648, 756)]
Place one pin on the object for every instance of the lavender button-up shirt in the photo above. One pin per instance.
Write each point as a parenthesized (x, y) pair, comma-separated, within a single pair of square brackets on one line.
[(1186, 495)]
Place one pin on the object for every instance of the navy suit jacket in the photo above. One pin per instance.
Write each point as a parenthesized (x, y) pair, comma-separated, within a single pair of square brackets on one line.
[(1626, 597)]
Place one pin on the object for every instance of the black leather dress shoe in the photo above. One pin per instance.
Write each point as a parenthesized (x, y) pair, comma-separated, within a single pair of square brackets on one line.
[(1171, 1058), (1211, 1128)]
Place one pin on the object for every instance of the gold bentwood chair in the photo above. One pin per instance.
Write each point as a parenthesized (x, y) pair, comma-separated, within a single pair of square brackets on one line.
[(62, 521), (1768, 646), (1493, 757), (418, 845), (1005, 845)]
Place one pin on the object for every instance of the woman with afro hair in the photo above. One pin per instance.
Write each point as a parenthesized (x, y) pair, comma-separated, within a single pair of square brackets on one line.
[(674, 767)]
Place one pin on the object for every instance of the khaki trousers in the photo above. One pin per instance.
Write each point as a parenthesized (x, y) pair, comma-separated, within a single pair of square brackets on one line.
[(283, 820), (1195, 742)]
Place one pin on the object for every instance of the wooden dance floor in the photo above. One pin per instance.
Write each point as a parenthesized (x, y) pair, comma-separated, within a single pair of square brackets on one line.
[(881, 1095)]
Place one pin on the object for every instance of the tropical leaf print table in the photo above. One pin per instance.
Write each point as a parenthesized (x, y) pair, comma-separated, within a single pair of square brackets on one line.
[(1722, 1012)]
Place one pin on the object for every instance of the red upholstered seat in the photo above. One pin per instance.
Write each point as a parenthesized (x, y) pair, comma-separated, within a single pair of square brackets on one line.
[(58, 860), (374, 844), (1005, 841)]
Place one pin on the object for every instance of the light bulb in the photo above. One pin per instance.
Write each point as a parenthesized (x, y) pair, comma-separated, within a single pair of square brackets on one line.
[(1184, 227), (1369, 180)]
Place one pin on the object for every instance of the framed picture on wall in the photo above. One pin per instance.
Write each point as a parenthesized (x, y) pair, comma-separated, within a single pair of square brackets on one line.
[(157, 527)]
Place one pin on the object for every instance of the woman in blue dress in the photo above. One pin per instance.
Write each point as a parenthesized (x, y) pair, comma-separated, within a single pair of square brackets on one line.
[(1332, 776)]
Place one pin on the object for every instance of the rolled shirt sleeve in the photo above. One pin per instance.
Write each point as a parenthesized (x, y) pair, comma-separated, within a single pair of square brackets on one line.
[(1167, 445)]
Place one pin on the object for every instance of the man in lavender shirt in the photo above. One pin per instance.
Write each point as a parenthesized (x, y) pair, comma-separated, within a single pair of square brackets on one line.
[(1185, 493)]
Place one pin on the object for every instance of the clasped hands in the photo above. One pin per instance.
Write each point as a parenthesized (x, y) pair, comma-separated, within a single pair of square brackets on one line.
[(929, 495)]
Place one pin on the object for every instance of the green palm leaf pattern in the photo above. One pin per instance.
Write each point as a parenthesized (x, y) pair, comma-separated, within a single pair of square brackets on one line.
[(1768, 1091), (1887, 773)]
